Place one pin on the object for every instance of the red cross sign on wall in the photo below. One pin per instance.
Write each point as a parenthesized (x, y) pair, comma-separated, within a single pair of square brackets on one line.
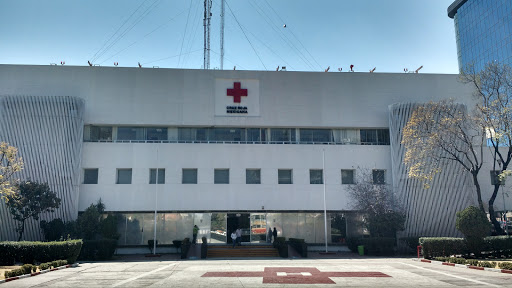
[(237, 92)]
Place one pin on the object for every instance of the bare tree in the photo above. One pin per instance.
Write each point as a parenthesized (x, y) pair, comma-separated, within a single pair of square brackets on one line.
[(443, 131), (493, 89), (382, 212)]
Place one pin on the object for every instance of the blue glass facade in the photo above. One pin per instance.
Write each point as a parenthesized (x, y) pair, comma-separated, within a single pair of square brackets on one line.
[(483, 31)]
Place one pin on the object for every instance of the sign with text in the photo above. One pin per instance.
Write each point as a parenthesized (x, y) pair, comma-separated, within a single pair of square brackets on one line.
[(237, 97)]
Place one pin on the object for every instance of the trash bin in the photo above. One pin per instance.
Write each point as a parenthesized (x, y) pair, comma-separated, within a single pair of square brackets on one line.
[(360, 249)]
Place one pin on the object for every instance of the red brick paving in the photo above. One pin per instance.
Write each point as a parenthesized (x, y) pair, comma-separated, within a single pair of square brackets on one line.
[(295, 275)]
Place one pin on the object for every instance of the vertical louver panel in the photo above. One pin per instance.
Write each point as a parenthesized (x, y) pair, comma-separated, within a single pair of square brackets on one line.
[(48, 134), (430, 212)]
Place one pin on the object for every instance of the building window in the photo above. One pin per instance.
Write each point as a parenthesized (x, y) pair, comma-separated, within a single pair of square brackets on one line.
[(161, 175), (130, 133), (282, 135), (97, 133), (347, 177), (284, 176), (156, 134), (315, 135), (495, 179), (124, 176), (252, 176), (316, 176), (91, 176), (374, 136), (189, 176), (221, 176), (379, 176)]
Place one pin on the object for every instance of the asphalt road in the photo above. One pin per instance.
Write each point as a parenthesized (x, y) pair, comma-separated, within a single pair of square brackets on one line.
[(376, 272)]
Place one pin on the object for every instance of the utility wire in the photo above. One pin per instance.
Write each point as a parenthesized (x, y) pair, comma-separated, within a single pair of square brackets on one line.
[(177, 55), (293, 34), (285, 38), (229, 7), (127, 19), (137, 21), (232, 62), (184, 33), (194, 34), (133, 43)]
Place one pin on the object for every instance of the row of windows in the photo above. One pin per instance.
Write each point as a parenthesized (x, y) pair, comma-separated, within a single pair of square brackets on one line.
[(221, 176), (236, 135)]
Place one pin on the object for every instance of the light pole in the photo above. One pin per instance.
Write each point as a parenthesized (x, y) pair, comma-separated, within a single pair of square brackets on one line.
[(325, 205), (156, 201), (504, 209)]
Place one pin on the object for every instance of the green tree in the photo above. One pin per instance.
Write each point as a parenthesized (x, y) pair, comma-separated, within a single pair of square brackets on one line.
[(10, 163), (473, 223), (29, 201), (383, 215)]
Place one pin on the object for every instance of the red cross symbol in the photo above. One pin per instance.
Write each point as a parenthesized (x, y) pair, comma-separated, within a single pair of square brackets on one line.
[(294, 275), (237, 92)]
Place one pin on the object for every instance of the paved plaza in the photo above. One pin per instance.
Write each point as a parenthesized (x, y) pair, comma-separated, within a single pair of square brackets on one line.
[(359, 272)]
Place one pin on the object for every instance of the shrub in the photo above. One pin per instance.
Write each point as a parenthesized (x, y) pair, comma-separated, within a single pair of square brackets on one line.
[(353, 242), (31, 252), (53, 230), (472, 262), (185, 246), (45, 266), (98, 249), (378, 245), (300, 246), (282, 247), (25, 269), (473, 223), (506, 265), (487, 264), (442, 246), (151, 244), (411, 242), (457, 260), (499, 246)]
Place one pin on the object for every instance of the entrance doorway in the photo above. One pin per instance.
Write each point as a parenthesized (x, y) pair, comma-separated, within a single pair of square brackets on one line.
[(239, 220)]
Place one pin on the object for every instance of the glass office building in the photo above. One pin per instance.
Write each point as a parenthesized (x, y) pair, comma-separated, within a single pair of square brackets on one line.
[(483, 31)]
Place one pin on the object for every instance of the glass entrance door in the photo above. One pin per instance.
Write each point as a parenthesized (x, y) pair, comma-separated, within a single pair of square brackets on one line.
[(258, 228), (238, 220)]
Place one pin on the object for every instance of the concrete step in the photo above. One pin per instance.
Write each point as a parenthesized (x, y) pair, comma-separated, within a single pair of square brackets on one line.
[(241, 251)]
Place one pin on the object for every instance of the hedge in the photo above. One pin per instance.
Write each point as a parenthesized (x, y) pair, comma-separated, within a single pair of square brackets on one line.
[(28, 268), (185, 246), (30, 252), (373, 245), (442, 246), (300, 246), (506, 265), (98, 249), (499, 245), (282, 247)]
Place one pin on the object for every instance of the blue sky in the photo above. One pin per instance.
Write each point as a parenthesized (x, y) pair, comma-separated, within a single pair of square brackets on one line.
[(387, 34)]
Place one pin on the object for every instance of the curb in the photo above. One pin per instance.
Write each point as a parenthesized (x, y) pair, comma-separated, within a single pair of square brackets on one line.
[(464, 266), (37, 273)]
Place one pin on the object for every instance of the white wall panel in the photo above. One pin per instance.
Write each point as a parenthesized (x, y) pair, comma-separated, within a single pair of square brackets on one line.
[(48, 134)]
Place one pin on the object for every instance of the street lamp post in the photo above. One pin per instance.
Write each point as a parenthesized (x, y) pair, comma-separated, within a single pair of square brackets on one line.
[(156, 201), (325, 205)]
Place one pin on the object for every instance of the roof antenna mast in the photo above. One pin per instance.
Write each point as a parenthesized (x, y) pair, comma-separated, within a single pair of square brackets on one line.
[(222, 35), (206, 24)]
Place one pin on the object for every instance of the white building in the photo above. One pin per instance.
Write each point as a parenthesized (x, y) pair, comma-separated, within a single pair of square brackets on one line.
[(232, 148)]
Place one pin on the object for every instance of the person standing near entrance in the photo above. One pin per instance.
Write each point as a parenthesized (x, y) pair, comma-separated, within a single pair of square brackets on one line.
[(239, 236), (194, 234), (274, 234), (233, 238), (269, 235)]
